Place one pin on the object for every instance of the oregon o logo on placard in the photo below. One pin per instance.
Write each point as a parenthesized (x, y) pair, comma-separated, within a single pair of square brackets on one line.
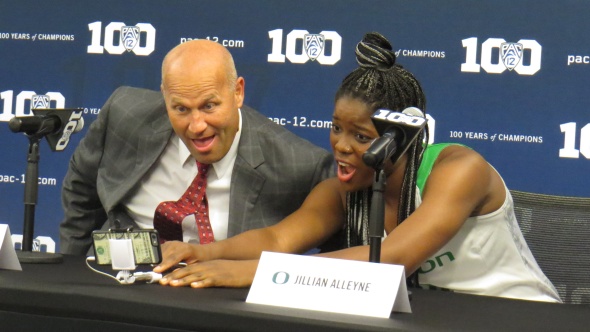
[(280, 278), (313, 47), (131, 38), (510, 56)]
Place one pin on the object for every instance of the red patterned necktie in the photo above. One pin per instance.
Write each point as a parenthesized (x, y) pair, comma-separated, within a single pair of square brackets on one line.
[(169, 215)]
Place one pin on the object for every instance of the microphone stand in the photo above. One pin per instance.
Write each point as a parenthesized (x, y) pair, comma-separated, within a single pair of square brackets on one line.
[(377, 216), (26, 254)]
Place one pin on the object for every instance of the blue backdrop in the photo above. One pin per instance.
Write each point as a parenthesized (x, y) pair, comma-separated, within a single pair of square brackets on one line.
[(508, 78)]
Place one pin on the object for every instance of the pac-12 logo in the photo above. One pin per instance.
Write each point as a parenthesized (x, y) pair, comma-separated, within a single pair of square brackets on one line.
[(40, 101), (129, 37), (511, 54), (119, 38), (313, 47), (497, 55)]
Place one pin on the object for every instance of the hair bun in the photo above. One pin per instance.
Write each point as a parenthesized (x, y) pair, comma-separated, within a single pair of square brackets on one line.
[(375, 51)]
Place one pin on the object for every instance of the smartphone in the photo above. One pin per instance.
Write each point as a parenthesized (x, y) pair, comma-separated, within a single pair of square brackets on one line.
[(145, 242)]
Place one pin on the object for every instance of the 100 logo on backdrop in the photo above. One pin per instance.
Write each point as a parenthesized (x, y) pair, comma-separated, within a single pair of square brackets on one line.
[(129, 38), (35, 101), (312, 47), (510, 56)]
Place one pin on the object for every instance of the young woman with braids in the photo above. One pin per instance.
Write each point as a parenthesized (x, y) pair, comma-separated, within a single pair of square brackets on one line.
[(443, 203)]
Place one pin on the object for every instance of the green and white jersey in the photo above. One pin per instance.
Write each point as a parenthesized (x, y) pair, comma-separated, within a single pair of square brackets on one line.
[(488, 256)]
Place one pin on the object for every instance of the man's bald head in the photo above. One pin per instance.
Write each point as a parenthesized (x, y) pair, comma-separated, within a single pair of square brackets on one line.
[(197, 54)]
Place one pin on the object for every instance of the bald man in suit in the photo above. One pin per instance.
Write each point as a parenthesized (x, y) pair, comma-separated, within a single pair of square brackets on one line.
[(141, 151)]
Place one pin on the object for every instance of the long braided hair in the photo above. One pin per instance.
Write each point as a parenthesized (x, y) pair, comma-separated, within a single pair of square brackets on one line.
[(381, 83)]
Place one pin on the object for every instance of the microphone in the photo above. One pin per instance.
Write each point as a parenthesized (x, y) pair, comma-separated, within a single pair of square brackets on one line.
[(56, 124), (35, 125), (398, 131)]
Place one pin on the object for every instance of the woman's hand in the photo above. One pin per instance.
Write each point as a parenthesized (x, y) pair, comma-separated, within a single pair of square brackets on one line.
[(174, 252), (216, 273)]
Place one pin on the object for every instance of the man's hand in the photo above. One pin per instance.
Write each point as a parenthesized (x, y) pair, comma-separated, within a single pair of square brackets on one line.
[(216, 273), (174, 252)]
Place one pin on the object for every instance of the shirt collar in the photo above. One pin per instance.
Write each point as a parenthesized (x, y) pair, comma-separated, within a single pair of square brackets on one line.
[(223, 165)]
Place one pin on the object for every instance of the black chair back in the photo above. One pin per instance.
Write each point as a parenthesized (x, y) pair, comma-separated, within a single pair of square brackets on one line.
[(557, 230)]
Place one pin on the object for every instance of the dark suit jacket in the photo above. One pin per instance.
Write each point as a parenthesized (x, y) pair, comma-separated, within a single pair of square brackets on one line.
[(273, 173)]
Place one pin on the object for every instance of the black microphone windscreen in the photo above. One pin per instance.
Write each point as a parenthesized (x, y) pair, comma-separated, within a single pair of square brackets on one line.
[(32, 125)]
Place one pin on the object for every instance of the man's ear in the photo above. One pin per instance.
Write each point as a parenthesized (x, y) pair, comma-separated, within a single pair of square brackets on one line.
[(239, 91)]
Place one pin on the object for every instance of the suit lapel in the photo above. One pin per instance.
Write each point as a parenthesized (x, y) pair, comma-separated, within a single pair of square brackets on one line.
[(247, 182), (144, 153)]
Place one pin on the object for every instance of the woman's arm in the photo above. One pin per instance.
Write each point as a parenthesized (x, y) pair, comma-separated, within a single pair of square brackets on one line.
[(461, 184)]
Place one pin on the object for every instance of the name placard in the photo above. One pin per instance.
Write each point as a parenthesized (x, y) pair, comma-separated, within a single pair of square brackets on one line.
[(8, 258), (332, 285)]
